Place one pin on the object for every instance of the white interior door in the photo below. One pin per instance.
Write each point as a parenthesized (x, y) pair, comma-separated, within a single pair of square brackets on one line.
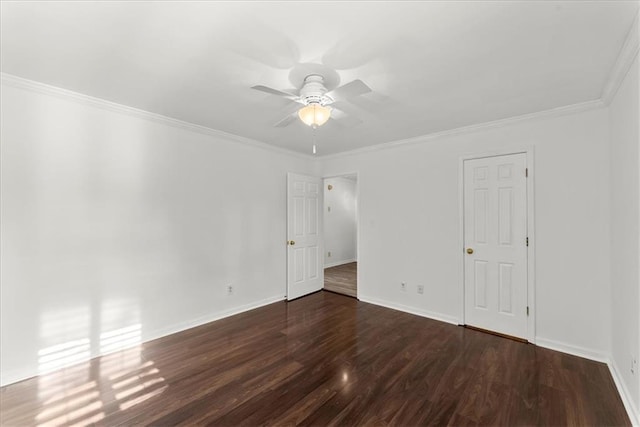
[(305, 273), (495, 236)]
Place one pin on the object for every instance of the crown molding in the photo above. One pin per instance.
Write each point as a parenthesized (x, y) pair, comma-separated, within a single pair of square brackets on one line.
[(553, 112), (43, 88), (625, 59)]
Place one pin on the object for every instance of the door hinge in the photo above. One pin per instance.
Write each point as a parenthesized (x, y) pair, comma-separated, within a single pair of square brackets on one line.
[(527, 241), (527, 310), (526, 172)]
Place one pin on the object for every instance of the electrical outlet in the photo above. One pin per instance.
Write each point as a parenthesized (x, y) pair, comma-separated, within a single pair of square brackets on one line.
[(634, 365), (403, 286), (420, 289), (229, 289), (329, 254)]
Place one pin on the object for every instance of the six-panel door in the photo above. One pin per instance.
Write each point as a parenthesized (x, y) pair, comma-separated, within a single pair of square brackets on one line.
[(304, 230), (495, 236)]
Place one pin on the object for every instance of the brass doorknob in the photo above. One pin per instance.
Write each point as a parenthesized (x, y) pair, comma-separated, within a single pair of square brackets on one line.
[(292, 242), (469, 251)]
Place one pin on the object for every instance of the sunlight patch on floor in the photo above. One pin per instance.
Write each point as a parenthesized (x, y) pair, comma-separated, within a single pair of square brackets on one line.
[(75, 393)]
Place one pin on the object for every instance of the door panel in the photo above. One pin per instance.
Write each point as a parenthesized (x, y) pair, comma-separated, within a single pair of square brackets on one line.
[(480, 283), (304, 243), (481, 204), (506, 285), (298, 260), (495, 229)]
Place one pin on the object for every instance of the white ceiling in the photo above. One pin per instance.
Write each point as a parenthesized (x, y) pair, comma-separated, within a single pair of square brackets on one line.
[(433, 66)]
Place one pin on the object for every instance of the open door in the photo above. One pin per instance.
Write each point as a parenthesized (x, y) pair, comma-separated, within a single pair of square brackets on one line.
[(305, 273)]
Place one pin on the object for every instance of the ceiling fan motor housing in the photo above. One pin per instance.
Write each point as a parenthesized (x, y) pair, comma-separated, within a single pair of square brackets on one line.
[(313, 91)]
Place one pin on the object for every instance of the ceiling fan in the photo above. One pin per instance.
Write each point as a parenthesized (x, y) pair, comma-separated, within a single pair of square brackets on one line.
[(319, 105)]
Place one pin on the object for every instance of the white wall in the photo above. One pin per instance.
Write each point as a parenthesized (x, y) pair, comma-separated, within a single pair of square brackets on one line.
[(409, 224), (113, 221), (625, 226), (340, 227)]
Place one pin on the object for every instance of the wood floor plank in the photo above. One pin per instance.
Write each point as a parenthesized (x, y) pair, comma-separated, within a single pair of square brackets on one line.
[(342, 279), (324, 359)]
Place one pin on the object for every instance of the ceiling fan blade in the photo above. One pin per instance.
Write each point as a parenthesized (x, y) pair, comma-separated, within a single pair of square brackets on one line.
[(286, 121), (274, 92), (343, 119), (337, 113), (349, 90), (344, 108)]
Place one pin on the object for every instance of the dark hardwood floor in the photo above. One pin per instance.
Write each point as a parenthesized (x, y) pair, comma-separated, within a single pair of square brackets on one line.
[(319, 360), (342, 279)]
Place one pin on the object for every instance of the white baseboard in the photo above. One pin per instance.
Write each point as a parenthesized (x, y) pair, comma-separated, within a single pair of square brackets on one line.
[(337, 263), (412, 310), (14, 376), (159, 333), (632, 410), (623, 391), (572, 349)]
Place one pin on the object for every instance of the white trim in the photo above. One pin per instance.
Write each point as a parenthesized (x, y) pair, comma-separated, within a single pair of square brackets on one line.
[(16, 375), (358, 222), (531, 259), (623, 391), (208, 318), (627, 55), (625, 396), (411, 310), (23, 374), (42, 88), (594, 355), (343, 262), (531, 251), (461, 261), (553, 112), (572, 349)]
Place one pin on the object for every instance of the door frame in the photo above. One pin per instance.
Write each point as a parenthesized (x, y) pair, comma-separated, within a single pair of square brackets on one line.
[(341, 175), (531, 264)]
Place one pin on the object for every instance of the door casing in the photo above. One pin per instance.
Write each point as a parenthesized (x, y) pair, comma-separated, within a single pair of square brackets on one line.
[(339, 175), (529, 151)]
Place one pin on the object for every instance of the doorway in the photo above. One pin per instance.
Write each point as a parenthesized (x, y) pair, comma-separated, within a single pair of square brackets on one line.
[(340, 219), (496, 214)]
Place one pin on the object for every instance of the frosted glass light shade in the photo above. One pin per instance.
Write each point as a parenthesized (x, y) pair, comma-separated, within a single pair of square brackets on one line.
[(314, 115)]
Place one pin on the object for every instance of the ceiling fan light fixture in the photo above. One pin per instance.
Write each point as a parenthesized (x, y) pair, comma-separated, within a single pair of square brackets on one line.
[(314, 114)]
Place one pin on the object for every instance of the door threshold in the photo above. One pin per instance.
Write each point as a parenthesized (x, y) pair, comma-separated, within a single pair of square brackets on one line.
[(339, 293), (302, 296), (498, 334)]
